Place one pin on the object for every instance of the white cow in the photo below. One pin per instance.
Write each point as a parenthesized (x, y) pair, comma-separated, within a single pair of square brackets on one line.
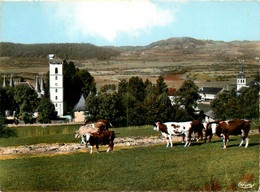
[(184, 129), (170, 129), (85, 131)]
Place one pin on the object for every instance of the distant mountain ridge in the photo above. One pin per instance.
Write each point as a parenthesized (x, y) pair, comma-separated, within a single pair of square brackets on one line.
[(83, 51), (63, 50)]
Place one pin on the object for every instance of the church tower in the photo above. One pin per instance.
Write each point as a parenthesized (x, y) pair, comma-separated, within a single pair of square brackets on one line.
[(56, 83), (241, 78)]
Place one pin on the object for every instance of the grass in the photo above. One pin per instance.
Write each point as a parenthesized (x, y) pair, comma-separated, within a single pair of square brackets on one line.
[(63, 134), (199, 167)]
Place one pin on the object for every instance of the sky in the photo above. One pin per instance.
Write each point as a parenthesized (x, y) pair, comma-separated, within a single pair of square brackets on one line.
[(127, 22)]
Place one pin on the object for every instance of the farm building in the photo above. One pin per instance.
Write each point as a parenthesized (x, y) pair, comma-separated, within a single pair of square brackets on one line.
[(80, 109), (208, 94), (171, 92)]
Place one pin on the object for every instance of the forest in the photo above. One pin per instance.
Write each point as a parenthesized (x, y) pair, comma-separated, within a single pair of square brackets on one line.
[(64, 50)]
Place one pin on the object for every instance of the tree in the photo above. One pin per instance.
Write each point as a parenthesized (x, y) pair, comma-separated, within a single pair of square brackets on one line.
[(46, 111), (233, 106), (137, 88), (87, 80), (26, 99), (250, 103), (122, 87), (160, 86), (187, 96), (105, 106)]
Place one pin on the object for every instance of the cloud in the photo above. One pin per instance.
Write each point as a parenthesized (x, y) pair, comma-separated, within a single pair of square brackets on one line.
[(107, 19)]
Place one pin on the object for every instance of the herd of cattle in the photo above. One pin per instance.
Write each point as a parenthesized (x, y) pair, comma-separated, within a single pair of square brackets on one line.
[(95, 132)]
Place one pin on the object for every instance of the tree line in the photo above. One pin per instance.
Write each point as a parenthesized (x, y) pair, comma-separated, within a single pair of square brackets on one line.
[(237, 106), (133, 102), (139, 102), (25, 102), (64, 50)]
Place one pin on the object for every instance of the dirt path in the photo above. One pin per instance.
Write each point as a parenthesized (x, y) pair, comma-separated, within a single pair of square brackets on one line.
[(73, 147)]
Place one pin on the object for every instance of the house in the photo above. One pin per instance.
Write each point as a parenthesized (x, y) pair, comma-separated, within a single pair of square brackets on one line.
[(80, 109), (171, 92), (253, 84), (208, 94), (209, 116)]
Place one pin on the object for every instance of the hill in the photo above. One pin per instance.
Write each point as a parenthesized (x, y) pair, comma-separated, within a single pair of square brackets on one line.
[(65, 50), (208, 62)]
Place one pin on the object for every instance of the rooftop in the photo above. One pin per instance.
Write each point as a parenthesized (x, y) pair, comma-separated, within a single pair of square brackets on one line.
[(210, 90)]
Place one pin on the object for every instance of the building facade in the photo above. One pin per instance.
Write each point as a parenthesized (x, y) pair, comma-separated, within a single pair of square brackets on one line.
[(56, 83)]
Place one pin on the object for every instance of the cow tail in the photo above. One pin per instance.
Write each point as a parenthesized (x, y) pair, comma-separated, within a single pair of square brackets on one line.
[(258, 126), (253, 123)]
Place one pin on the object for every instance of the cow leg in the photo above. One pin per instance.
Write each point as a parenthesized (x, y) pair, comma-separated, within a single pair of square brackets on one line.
[(83, 140), (182, 139), (170, 138), (97, 148), (224, 142), (247, 141), (242, 138), (210, 137), (186, 140), (91, 149), (167, 145), (110, 147), (241, 143)]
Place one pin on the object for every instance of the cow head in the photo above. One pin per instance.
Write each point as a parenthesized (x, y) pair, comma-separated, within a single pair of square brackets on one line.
[(156, 126), (77, 135), (175, 126)]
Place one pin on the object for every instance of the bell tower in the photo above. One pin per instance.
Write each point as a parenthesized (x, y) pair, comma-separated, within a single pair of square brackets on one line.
[(56, 83), (241, 77)]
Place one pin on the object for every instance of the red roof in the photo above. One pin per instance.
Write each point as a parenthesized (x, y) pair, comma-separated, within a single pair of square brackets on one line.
[(171, 91)]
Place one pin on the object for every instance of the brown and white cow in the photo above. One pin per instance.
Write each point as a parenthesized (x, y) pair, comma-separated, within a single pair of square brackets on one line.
[(83, 131), (94, 122), (102, 138), (210, 130), (234, 127), (91, 126), (184, 129)]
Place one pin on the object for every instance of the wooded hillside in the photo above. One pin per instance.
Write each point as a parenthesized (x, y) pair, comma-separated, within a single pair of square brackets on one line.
[(64, 50)]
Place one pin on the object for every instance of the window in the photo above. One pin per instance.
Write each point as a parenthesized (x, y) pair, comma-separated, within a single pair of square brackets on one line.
[(56, 90), (56, 77), (56, 70), (56, 97), (56, 105)]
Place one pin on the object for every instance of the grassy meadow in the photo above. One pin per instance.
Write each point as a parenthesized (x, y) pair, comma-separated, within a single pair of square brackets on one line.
[(200, 167), (63, 134)]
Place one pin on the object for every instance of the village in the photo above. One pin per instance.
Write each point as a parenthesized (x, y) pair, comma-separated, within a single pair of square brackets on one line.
[(56, 95), (129, 96)]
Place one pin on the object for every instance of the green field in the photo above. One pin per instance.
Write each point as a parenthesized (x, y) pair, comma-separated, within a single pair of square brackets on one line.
[(199, 167), (63, 134)]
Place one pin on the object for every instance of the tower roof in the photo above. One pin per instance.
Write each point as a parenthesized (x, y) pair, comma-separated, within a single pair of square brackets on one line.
[(37, 89), (81, 105), (11, 81), (53, 59), (4, 83), (42, 84), (241, 74)]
